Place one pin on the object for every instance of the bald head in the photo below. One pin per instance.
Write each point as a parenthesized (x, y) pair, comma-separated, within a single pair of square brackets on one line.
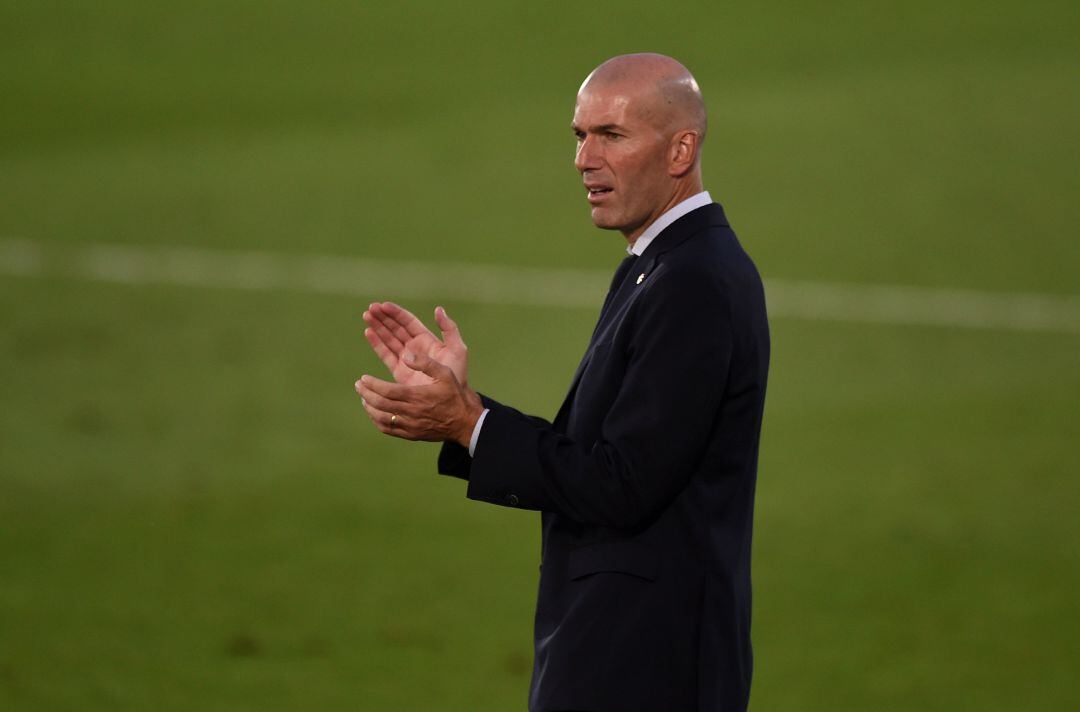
[(639, 121), (663, 91)]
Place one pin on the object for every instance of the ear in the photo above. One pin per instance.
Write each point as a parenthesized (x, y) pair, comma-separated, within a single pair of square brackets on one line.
[(683, 153)]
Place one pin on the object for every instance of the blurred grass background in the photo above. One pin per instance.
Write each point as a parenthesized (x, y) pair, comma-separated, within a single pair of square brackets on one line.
[(194, 511)]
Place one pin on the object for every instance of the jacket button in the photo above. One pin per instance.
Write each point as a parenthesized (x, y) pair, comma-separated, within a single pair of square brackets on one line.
[(512, 500)]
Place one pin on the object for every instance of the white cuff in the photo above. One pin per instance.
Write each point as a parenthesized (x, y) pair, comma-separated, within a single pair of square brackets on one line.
[(476, 432)]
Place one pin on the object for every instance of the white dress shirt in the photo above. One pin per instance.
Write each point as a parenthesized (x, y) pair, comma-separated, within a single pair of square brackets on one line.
[(644, 240), (658, 226)]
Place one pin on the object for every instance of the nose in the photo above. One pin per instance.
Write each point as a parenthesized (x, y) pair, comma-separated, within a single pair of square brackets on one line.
[(588, 155)]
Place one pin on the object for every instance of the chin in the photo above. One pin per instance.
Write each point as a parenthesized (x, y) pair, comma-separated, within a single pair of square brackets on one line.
[(604, 222)]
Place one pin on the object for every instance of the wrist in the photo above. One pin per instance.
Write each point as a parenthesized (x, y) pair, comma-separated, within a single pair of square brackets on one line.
[(474, 408)]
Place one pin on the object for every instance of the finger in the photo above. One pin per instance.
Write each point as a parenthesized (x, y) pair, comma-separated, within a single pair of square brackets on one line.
[(451, 335), (426, 364), (373, 314), (376, 416), (386, 422), (388, 357), (388, 390), (382, 318), (383, 403), (405, 319), (388, 330), (388, 337), (375, 323)]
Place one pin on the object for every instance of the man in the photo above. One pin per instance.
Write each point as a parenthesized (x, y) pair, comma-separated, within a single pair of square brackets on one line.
[(645, 478)]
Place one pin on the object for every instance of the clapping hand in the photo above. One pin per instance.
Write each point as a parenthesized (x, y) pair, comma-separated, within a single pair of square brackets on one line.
[(392, 329), (440, 410), (430, 399)]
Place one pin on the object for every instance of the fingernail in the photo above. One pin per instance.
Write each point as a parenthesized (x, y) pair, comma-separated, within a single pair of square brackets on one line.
[(357, 386)]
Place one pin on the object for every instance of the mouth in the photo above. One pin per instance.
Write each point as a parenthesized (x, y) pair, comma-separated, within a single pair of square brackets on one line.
[(597, 194)]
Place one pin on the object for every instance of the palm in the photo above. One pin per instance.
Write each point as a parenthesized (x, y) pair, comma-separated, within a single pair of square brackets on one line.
[(429, 345), (393, 330)]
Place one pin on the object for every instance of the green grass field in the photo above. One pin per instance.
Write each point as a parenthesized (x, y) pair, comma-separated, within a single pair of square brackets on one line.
[(195, 513)]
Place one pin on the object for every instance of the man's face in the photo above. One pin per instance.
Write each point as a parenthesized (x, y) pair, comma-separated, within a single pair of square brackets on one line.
[(622, 158)]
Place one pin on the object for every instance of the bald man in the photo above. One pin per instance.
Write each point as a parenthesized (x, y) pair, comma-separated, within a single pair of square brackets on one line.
[(645, 477)]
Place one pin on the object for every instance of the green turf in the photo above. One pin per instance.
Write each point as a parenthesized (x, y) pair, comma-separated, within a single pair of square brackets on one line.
[(194, 512)]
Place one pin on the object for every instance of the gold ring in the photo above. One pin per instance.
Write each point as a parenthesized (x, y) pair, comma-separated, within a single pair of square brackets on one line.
[(393, 419)]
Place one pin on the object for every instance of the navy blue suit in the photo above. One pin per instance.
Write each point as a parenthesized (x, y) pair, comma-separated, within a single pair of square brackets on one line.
[(645, 481)]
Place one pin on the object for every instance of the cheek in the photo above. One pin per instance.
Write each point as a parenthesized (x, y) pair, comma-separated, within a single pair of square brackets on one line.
[(640, 180), (646, 166)]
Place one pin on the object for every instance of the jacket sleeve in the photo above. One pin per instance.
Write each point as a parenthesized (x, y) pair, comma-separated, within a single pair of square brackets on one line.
[(454, 460), (654, 434)]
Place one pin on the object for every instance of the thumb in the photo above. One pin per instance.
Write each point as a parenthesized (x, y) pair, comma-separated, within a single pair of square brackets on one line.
[(426, 364), (451, 335)]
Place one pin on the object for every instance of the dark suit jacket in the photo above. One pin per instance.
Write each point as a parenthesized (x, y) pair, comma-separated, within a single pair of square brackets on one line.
[(645, 481)]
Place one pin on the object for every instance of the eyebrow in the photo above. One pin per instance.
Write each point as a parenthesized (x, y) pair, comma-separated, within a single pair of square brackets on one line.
[(603, 128)]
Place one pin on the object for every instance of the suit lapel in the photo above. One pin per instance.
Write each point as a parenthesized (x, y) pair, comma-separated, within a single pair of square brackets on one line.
[(621, 290), (612, 300)]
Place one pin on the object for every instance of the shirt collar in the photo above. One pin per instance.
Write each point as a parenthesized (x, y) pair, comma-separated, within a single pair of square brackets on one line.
[(677, 211)]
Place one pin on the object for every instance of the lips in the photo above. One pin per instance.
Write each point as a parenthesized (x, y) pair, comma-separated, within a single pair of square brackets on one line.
[(597, 191)]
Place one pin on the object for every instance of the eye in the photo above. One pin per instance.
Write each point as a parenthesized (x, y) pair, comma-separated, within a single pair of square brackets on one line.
[(579, 135), (612, 136)]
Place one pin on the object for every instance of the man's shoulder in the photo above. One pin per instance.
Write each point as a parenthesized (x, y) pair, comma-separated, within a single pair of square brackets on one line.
[(707, 269), (711, 250)]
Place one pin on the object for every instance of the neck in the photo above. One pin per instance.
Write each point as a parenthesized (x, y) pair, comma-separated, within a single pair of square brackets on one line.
[(683, 190)]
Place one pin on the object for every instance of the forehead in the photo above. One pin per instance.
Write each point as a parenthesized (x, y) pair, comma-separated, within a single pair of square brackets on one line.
[(605, 106)]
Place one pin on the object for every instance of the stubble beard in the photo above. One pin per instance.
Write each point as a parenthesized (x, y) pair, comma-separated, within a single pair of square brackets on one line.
[(607, 219)]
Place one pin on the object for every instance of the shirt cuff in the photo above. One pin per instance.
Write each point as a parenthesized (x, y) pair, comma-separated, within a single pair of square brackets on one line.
[(476, 431)]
